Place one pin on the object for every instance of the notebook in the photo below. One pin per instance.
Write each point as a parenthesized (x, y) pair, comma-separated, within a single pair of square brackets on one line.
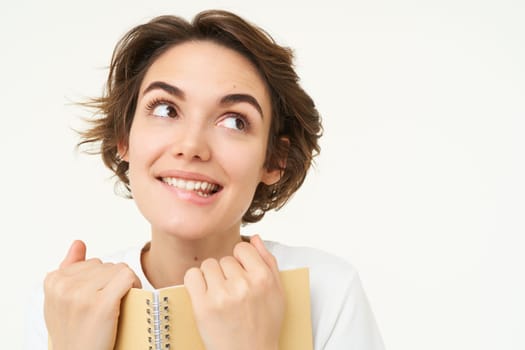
[(164, 319)]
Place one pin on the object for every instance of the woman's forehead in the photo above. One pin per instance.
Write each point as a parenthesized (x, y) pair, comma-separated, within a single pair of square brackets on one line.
[(202, 67)]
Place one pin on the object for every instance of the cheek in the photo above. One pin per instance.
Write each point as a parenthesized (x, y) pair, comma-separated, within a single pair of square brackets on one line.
[(243, 162), (143, 145), (143, 150)]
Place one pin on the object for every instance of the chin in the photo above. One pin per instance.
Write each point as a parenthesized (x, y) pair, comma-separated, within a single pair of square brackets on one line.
[(184, 231), (191, 225)]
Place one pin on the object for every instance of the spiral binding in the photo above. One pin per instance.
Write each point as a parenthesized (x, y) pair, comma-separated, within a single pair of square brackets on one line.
[(158, 323)]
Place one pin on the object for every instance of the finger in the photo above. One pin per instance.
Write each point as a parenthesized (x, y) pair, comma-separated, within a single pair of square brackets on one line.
[(76, 253), (121, 282), (249, 257), (268, 257), (194, 282), (100, 276), (80, 267), (212, 273), (231, 267)]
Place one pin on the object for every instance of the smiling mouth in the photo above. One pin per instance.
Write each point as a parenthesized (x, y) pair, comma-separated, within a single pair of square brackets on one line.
[(201, 188)]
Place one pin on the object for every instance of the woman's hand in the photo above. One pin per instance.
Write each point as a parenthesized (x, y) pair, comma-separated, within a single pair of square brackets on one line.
[(82, 301), (239, 300)]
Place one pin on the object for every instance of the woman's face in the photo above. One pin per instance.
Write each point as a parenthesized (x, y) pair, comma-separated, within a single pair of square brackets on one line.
[(198, 141)]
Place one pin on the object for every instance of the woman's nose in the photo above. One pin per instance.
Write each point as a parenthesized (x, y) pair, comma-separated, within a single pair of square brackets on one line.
[(191, 142)]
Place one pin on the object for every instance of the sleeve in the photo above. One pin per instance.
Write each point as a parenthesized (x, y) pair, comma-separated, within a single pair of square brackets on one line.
[(35, 325), (354, 327)]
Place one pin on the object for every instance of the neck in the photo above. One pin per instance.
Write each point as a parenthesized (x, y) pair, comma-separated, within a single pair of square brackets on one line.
[(167, 257)]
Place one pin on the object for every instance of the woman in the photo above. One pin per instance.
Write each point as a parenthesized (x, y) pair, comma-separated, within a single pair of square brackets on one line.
[(206, 126)]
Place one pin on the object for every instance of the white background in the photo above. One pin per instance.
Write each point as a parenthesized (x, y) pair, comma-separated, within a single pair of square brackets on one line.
[(420, 183)]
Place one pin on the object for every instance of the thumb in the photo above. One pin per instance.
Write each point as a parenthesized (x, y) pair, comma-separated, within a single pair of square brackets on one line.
[(76, 253)]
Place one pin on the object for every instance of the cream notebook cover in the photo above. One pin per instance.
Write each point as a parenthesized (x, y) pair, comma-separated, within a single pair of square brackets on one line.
[(164, 319)]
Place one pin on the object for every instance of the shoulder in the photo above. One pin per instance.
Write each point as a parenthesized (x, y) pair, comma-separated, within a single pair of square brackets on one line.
[(129, 256), (332, 278), (322, 265), (341, 316)]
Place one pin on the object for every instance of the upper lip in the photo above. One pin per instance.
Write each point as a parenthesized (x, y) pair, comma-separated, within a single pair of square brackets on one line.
[(185, 175)]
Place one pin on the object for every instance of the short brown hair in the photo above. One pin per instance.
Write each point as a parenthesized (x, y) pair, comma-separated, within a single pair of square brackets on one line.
[(294, 115)]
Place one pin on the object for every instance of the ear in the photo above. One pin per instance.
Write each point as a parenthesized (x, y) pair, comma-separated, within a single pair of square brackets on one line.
[(271, 177), (122, 150)]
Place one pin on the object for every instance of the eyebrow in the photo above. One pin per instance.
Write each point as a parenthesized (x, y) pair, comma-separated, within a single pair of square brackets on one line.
[(225, 100), (236, 98), (170, 89)]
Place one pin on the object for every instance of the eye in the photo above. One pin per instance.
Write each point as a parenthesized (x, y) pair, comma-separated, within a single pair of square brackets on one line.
[(162, 109), (235, 121)]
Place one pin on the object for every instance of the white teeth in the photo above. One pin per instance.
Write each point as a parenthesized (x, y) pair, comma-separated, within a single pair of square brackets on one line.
[(202, 188)]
